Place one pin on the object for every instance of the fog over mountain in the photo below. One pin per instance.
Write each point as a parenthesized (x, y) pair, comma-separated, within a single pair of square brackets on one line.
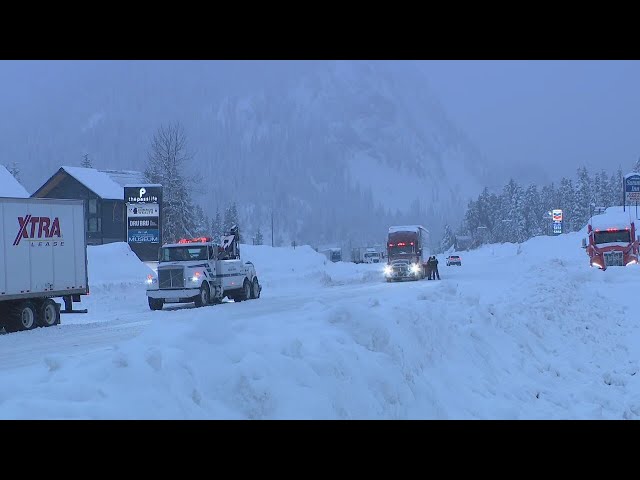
[(337, 150)]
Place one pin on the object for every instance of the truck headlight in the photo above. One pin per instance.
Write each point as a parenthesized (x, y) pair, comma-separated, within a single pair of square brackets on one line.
[(150, 279), (196, 277), (631, 262), (415, 268), (388, 270)]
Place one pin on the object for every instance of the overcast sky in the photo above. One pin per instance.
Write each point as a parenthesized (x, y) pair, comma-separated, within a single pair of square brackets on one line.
[(533, 116), (556, 114)]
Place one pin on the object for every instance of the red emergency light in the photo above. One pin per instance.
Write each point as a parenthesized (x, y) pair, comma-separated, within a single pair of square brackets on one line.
[(195, 240), (401, 244)]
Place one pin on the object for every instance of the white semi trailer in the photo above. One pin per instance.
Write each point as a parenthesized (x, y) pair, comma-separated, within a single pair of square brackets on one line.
[(43, 253)]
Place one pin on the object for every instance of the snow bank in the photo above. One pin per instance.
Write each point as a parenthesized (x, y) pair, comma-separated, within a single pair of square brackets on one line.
[(115, 263), (284, 267), (519, 331)]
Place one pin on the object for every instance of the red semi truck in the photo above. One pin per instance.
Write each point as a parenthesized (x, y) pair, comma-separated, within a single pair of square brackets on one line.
[(611, 240), (408, 250)]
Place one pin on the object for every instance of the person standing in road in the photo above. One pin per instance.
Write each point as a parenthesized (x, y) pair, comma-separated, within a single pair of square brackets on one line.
[(434, 268)]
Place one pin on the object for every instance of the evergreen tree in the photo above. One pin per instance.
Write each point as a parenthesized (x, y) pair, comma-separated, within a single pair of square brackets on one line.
[(167, 162), (616, 188), (86, 161), (258, 240), (216, 227), (533, 213), (447, 239), (636, 167), (583, 200), (14, 170)]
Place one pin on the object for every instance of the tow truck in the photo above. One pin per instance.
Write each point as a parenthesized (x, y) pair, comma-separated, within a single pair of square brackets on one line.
[(199, 270)]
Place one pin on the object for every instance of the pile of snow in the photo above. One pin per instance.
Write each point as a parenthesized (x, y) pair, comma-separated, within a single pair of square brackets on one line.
[(519, 331), (115, 263), (284, 267), (9, 186)]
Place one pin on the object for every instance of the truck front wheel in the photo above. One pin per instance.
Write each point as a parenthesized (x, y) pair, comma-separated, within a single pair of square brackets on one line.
[(156, 303), (203, 298)]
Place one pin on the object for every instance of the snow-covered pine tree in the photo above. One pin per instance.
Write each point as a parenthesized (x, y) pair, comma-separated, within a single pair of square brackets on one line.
[(533, 213), (616, 188), (167, 162), (201, 222), (216, 227), (513, 219), (606, 197), (636, 167), (86, 161), (583, 199), (14, 170), (258, 240), (567, 201), (447, 239)]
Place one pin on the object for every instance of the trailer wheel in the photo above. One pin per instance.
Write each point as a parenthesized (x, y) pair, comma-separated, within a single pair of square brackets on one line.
[(203, 298), (23, 316), (48, 314), (156, 303), (255, 288)]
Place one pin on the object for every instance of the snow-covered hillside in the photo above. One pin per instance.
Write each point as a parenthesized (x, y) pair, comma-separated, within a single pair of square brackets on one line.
[(518, 331)]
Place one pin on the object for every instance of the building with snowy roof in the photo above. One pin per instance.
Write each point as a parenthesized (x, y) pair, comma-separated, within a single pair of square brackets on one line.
[(10, 186), (103, 193)]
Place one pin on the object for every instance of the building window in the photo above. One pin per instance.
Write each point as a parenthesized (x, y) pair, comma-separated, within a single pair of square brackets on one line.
[(94, 221)]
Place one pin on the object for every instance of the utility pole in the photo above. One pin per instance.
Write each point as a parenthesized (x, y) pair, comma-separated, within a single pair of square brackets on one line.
[(272, 227)]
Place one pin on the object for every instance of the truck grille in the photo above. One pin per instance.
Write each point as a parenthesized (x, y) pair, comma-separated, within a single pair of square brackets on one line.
[(400, 268), (613, 259), (171, 278)]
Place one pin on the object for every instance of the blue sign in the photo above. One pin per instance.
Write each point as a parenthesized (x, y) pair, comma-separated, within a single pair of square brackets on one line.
[(632, 183), (144, 236), (557, 228)]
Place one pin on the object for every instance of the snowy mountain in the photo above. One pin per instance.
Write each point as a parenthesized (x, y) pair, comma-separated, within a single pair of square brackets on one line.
[(337, 150)]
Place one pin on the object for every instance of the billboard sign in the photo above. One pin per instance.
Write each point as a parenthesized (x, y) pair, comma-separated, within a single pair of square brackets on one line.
[(632, 187), (144, 215)]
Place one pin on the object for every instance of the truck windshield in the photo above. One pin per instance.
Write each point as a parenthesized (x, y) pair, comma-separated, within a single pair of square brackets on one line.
[(400, 249), (183, 254), (623, 236)]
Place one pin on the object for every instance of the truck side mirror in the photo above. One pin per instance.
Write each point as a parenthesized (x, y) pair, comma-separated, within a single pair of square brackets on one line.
[(584, 243)]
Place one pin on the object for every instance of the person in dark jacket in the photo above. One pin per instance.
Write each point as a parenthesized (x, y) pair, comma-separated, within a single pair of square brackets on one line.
[(434, 268), (430, 268)]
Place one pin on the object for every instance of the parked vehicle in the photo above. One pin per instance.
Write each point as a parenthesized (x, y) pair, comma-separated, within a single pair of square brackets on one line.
[(44, 247), (454, 260)]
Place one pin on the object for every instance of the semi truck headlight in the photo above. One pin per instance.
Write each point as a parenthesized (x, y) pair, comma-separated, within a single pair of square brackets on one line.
[(415, 268), (593, 264), (632, 262), (150, 279), (196, 277), (387, 270)]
